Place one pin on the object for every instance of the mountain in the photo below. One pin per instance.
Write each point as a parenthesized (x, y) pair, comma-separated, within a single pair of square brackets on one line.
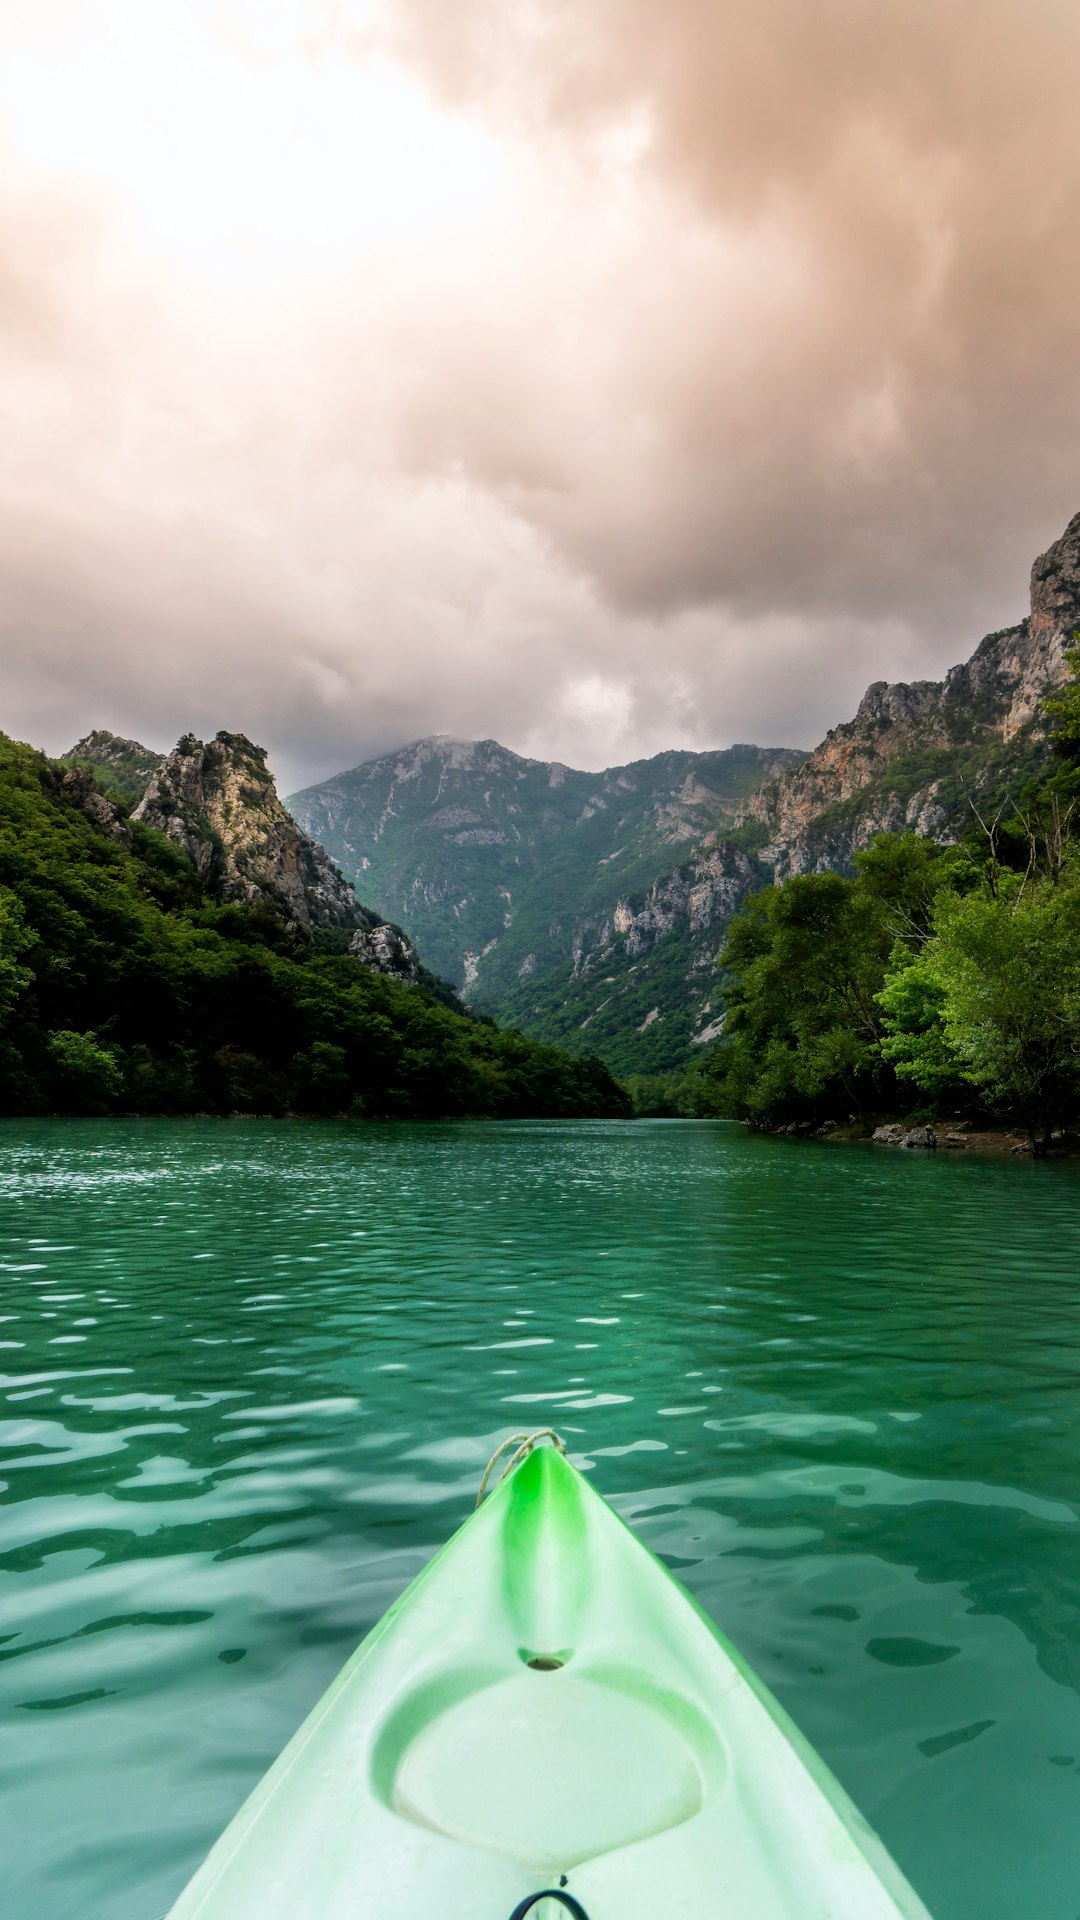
[(218, 801), (122, 768), (506, 870), (141, 974), (917, 757), (916, 754), (578, 924)]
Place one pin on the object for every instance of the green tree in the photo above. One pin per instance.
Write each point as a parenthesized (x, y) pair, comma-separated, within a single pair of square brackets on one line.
[(998, 985), (15, 942), (321, 1079), (84, 1078), (916, 1041), (1064, 708), (804, 964)]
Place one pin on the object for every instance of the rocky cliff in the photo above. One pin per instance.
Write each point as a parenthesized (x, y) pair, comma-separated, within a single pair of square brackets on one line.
[(916, 754), (642, 989), (589, 909), (913, 759), (217, 800)]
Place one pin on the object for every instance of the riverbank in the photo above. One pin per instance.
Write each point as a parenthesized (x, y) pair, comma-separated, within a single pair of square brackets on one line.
[(953, 1136)]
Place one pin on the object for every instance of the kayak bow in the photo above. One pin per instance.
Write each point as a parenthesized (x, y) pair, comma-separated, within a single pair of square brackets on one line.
[(546, 1724)]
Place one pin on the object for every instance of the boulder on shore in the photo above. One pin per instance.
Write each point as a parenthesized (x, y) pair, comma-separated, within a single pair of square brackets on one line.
[(895, 1135)]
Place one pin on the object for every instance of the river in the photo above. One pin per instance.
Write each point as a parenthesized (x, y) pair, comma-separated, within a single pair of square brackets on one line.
[(252, 1372)]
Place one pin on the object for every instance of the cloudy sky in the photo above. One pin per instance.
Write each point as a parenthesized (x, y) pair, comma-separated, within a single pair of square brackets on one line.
[(601, 375)]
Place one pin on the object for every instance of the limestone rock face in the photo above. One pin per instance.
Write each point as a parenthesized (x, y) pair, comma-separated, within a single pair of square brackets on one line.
[(1054, 617), (218, 801), (385, 949), (890, 718), (700, 895), (77, 785), (876, 773)]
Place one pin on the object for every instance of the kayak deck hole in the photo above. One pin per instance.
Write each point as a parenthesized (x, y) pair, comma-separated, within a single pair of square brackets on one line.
[(549, 1775), (544, 1662)]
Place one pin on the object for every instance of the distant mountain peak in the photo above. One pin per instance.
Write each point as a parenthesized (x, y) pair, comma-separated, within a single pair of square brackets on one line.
[(505, 869)]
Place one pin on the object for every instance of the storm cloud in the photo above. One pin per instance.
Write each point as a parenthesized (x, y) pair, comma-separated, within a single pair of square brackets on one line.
[(600, 375)]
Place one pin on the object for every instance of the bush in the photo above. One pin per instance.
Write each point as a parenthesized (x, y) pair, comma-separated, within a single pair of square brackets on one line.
[(84, 1077)]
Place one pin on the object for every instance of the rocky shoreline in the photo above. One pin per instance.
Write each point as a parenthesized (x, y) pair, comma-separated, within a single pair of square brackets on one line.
[(950, 1135)]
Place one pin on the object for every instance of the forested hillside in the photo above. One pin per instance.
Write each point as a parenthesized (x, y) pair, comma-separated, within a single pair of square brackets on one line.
[(125, 986)]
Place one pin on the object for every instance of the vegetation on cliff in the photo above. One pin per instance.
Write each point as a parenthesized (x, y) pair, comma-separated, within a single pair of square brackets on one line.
[(125, 987), (942, 977), (123, 769)]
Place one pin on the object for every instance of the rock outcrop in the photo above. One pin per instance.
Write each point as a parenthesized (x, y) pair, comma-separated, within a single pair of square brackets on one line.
[(899, 765), (385, 949), (702, 893), (78, 786), (894, 1134), (125, 766), (217, 800)]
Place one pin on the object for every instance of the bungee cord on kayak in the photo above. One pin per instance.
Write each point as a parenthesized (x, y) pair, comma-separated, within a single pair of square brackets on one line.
[(527, 1442), (573, 1907)]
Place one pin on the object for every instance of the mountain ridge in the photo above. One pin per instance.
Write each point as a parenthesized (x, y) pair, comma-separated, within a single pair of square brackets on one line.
[(499, 864), (589, 908), (981, 721), (634, 976)]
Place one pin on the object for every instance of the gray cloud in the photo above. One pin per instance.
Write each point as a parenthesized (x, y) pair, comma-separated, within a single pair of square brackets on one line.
[(671, 373), (851, 382)]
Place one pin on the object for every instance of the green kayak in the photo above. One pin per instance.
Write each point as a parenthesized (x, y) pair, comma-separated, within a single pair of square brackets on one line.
[(546, 1724)]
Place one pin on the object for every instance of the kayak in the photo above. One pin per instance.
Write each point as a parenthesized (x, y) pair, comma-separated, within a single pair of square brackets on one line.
[(544, 1724)]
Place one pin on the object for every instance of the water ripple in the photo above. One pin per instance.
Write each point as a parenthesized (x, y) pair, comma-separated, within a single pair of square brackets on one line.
[(253, 1372)]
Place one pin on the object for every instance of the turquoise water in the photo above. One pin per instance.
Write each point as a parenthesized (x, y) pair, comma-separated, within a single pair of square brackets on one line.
[(252, 1373)]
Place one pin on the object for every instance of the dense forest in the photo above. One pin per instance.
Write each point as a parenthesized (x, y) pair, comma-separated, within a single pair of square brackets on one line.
[(125, 989), (937, 981)]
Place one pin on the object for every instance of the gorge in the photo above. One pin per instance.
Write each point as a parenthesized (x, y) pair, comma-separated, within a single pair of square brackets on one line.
[(589, 908)]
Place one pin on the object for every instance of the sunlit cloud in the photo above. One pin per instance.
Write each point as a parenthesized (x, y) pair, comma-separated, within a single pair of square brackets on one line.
[(597, 378)]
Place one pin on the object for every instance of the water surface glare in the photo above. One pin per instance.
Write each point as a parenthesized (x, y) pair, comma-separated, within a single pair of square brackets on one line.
[(252, 1372)]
